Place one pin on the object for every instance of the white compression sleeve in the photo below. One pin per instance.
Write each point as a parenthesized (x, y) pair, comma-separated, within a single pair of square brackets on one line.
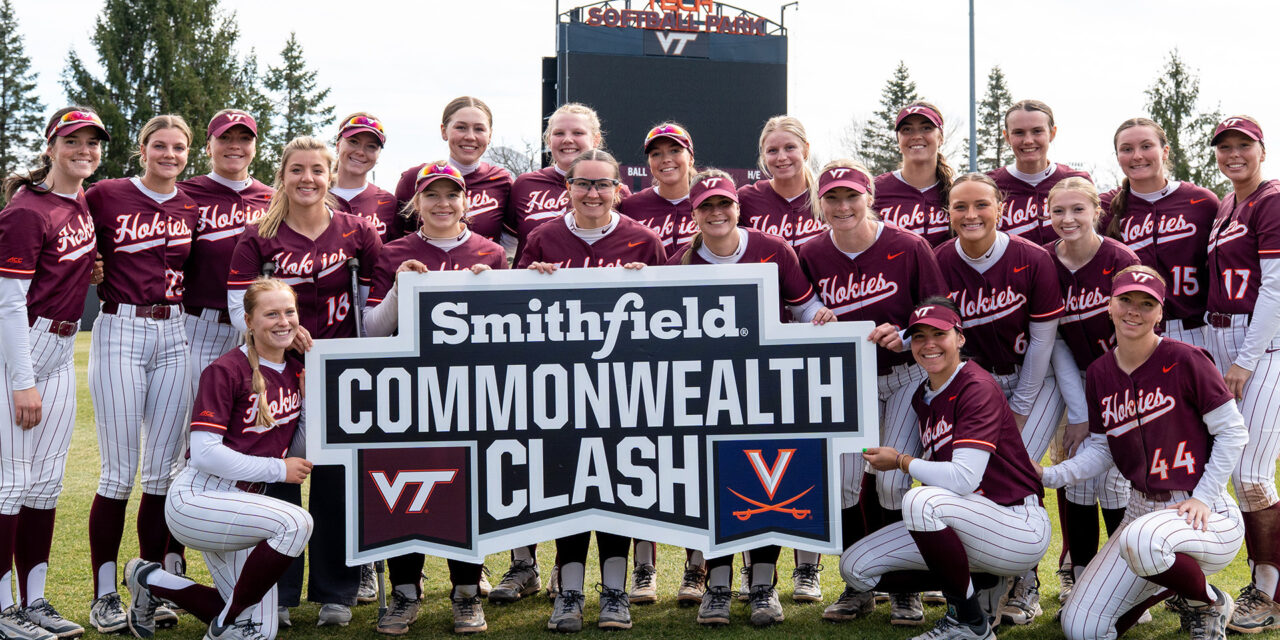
[(1226, 425), (209, 455), (235, 309), (15, 352), (805, 312), (1092, 459), (962, 474), (1035, 365), (1266, 317), (1070, 383), (383, 319)]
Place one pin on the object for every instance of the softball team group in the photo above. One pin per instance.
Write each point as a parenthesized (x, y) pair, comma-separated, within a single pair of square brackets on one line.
[(1130, 335)]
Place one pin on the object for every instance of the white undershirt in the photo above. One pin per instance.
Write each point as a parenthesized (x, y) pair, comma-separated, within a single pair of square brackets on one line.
[(234, 185), (1156, 195), (590, 236), (348, 194), (465, 169), (992, 256), (898, 174), (1032, 179), (853, 255), (158, 197)]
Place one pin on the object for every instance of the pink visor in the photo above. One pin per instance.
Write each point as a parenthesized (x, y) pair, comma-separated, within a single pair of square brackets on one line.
[(227, 119), (917, 110), (936, 316), (432, 172), (1247, 127), (708, 187), (843, 177), (1128, 281)]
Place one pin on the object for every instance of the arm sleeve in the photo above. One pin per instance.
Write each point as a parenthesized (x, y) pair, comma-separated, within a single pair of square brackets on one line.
[(1266, 316), (962, 474), (806, 311), (210, 455), (1070, 384), (235, 309), (1092, 459), (15, 348), (1226, 425), (1034, 366), (382, 319)]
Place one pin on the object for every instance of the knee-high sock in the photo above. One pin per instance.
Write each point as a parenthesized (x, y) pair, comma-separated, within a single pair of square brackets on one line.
[(1185, 578), (106, 527), (31, 551), (1080, 532), (261, 570), (153, 531)]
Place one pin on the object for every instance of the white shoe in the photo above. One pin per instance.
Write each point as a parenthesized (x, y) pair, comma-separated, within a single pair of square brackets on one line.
[(15, 625), (46, 617), (334, 615), (106, 614)]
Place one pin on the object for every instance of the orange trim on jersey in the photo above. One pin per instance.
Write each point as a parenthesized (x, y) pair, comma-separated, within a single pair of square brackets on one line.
[(239, 283), (1045, 315), (971, 441), (806, 295), (21, 272), (1276, 251), (210, 425)]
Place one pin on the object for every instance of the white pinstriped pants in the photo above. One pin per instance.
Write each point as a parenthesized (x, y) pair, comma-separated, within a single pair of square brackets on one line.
[(1000, 540), (1145, 545), (33, 461), (208, 340), (897, 430), (1255, 477), (140, 380), (208, 513), (1046, 412)]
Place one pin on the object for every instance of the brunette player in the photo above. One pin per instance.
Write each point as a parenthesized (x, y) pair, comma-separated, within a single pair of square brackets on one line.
[(360, 140), (442, 243), (309, 244), (980, 509), (721, 241), (785, 204), (591, 234), (1244, 313), (1007, 291), (139, 363), (914, 197), (246, 415), (467, 126), (1029, 128), (1085, 263), (1166, 222), (1163, 416), (46, 256), (865, 269)]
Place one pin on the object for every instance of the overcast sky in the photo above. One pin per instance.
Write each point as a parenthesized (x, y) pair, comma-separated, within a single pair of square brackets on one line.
[(1089, 59)]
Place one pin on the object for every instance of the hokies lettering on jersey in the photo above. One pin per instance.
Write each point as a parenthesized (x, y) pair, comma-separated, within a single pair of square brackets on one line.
[(50, 241), (1085, 326), (673, 223), (764, 210), (906, 207), (1126, 410), (224, 213), (935, 434), (855, 291), (298, 268), (283, 406), (1025, 209), (143, 244), (227, 405), (987, 305)]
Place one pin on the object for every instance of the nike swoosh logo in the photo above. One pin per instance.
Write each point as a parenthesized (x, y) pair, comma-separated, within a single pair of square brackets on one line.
[(1273, 350), (389, 202), (188, 206), (1193, 201), (1166, 369), (348, 233), (894, 255), (770, 257), (483, 253), (953, 398), (636, 244), (1020, 269), (1107, 272)]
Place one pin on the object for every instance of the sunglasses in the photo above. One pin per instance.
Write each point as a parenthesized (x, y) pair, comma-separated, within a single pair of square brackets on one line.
[(75, 117), (364, 121), (666, 130)]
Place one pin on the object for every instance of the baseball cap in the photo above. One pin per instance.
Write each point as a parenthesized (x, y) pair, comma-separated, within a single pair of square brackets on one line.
[(1236, 123), (676, 134), (73, 121), (431, 172), (230, 118), (935, 315), (714, 186), (1136, 280), (843, 177), (917, 110), (358, 124)]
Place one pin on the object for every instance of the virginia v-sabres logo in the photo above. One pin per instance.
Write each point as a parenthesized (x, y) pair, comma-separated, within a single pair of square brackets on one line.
[(770, 477)]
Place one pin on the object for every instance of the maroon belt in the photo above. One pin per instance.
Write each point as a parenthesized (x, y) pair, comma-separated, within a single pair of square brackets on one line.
[(63, 328), (153, 311), (224, 316), (251, 487), (1223, 320)]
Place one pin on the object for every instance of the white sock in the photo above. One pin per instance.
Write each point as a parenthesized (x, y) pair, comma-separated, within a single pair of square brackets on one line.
[(762, 573), (1208, 588), (969, 590), (106, 579), (466, 591), (720, 576), (644, 552), (1265, 578), (807, 557), (171, 562), (696, 559), (164, 580), (35, 582), (613, 572), (522, 553), (572, 575), (6, 590)]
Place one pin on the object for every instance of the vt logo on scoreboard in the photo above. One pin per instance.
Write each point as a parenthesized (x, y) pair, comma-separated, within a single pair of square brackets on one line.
[(668, 404)]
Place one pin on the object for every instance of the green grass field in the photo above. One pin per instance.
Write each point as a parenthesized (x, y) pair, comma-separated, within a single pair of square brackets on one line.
[(70, 586)]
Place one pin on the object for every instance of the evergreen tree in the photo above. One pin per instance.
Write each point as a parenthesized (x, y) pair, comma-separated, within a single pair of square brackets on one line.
[(993, 151), (21, 113), (302, 105), (878, 147), (1172, 102), (248, 96), (159, 56)]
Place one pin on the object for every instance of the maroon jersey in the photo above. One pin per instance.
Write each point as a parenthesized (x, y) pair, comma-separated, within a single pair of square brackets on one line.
[(379, 207), (920, 212), (793, 285), (998, 306), (1025, 210), (316, 269), (223, 214), (672, 222), (1171, 235), (144, 244), (1153, 417), (883, 284), (1085, 324), (764, 210), (49, 240), (1243, 235), (630, 241), (476, 249), (536, 197), (488, 188), (971, 412), (226, 404)]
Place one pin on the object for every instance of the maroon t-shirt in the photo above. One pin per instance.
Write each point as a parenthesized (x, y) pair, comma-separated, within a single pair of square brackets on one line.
[(920, 212), (49, 240), (379, 207), (1153, 417), (223, 214), (883, 284), (488, 188), (998, 306), (144, 244), (537, 197), (971, 412), (476, 249), (764, 210), (1243, 235), (793, 286), (1085, 324), (226, 404), (1025, 210), (630, 241), (1171, 235), (316, 269), (672, 222)]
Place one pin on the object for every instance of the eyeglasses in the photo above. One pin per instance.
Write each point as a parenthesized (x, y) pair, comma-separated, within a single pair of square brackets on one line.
[(665, 130), (75, 117), (364, 121), (583, 185)]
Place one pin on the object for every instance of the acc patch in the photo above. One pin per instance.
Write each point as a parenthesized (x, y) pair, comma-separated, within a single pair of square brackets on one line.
[(771, 486)]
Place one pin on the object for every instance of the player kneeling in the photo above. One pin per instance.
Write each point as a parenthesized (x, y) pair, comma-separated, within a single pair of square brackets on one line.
[(1162, 415), (244, 421), (980, 509)]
